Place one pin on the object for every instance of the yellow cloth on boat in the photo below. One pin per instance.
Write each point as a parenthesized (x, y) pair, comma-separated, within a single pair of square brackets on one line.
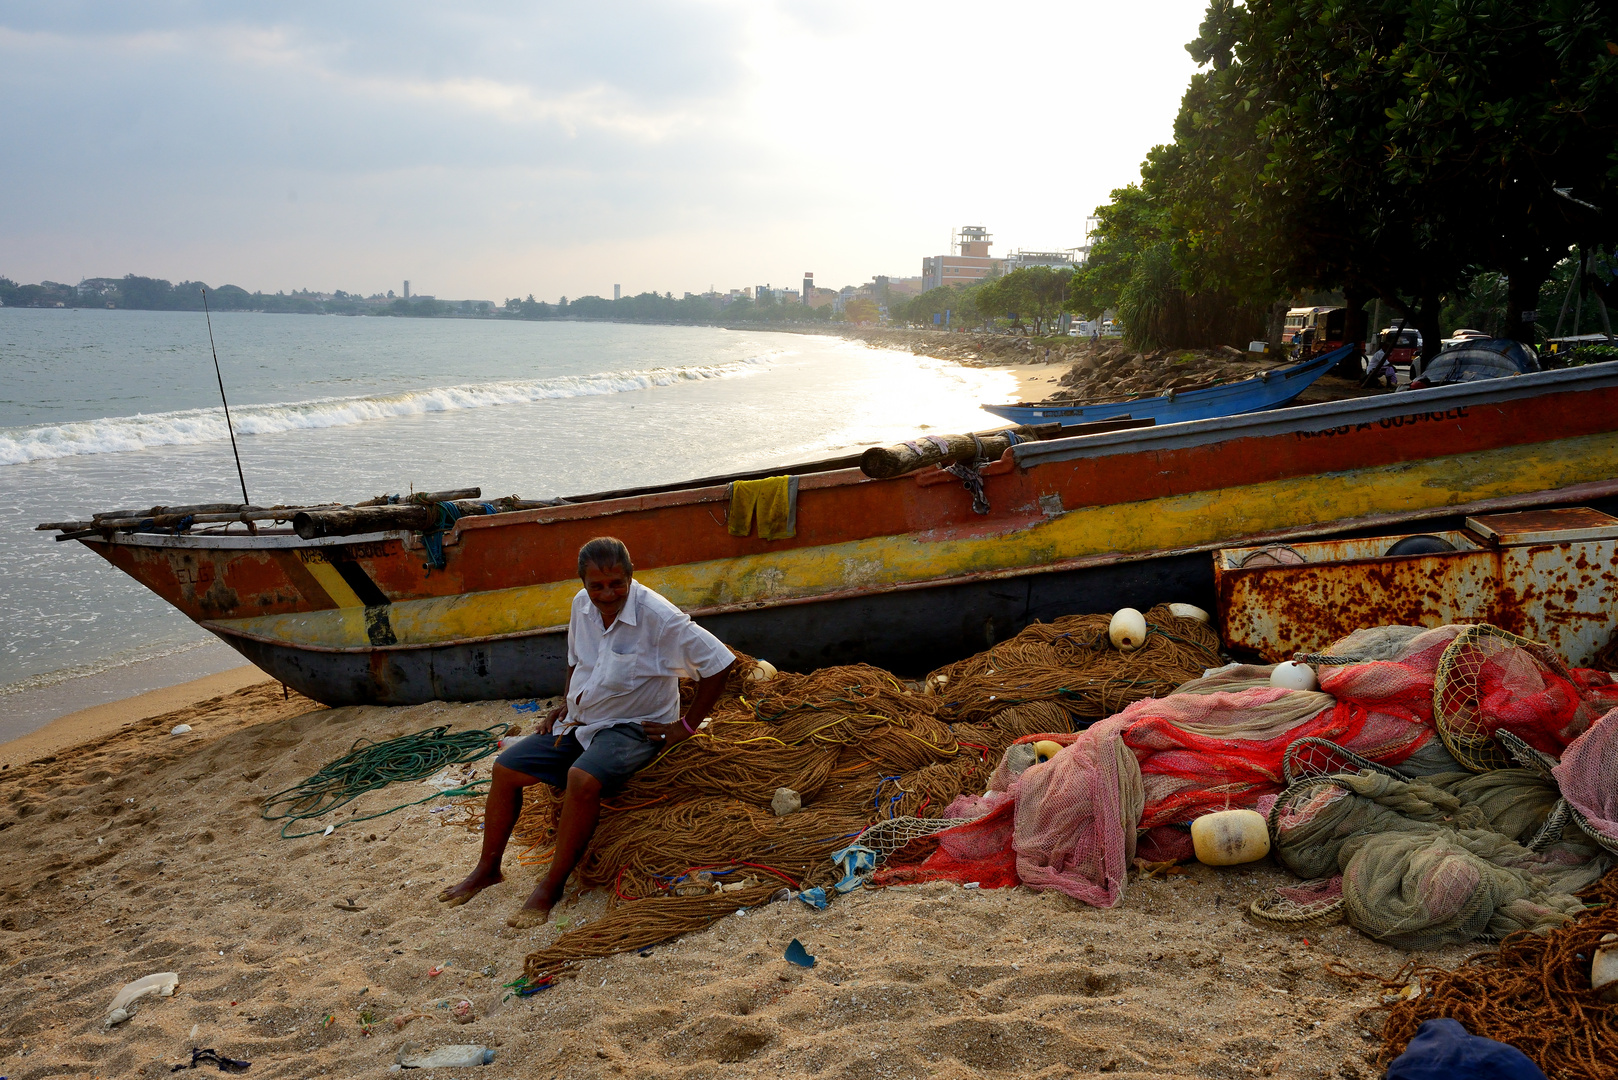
[(775, 502)]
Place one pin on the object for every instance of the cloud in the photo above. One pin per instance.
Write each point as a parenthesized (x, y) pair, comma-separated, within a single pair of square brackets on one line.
[(489, 150)]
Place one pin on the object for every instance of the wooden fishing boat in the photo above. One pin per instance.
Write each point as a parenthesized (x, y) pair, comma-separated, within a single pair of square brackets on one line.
[(1266, 390), (900, 572)]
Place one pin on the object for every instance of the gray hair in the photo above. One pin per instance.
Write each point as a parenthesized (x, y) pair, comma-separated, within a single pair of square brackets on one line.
[(605, 553)]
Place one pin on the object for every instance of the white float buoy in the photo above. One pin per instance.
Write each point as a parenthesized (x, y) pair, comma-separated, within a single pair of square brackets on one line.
[(1127, 630), (1190, 611), (1292, 675), (1604, 969), (1230, 837), (763, 671)]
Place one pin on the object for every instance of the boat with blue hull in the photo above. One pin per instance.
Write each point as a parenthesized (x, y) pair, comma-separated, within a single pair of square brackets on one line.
[(1266, 390)]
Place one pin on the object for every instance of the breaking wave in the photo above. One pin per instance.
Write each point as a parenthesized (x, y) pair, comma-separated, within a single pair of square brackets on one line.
[(188, 427)]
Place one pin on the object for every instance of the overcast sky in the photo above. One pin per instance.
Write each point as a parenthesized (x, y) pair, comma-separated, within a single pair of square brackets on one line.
[(491, 150)]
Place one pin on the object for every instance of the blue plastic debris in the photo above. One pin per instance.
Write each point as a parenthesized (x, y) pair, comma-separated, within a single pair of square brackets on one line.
[(815, 898), (799, 955), (855, 862)]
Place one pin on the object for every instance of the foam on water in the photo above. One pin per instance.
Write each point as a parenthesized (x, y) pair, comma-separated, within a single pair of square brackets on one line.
[(188, 427)]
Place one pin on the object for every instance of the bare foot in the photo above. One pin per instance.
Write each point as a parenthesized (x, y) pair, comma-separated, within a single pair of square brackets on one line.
[(527, 919), (475, 882), (536, 910)]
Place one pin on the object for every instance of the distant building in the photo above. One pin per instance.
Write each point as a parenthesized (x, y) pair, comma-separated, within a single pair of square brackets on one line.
[(617, 291), (808, 288), (407, 289), (968, 263), (1056, 260)]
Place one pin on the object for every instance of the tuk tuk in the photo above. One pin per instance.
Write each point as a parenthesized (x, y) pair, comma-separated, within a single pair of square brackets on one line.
[(1401, 343)]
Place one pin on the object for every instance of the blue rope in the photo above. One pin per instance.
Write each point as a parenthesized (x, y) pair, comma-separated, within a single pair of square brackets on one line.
[(433, 540)]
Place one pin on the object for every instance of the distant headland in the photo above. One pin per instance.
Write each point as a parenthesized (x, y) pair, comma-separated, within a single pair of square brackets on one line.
[(135, 293)]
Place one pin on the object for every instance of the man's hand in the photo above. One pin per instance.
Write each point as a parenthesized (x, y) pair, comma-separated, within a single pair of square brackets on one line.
[(665, 735), (708, 690), (549, 722)]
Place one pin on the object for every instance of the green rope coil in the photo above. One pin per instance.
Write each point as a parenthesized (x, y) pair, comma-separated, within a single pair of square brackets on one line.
[(371, 765)]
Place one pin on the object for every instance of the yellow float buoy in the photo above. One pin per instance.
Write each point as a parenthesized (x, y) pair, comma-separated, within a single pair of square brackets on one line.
[(1230, 837), (1045, 749)]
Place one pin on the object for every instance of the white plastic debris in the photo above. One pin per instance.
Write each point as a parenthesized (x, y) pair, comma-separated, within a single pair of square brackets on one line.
[(161, 984), (1190, 611), (459, 1056), (180, 729)]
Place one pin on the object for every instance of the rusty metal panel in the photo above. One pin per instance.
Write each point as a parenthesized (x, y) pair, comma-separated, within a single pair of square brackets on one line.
[(1564, 594), (1544, 526), (1279, 611)]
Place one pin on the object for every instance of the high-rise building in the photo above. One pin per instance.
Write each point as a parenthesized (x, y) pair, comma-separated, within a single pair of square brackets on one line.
[(808, 286), (617, 291), (407, 289)]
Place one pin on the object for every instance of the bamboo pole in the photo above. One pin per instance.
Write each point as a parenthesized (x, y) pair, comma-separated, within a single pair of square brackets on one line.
[(167, 517)]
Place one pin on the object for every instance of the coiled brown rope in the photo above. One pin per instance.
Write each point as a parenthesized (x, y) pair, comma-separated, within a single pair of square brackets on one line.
[(1071, 662), (858, 745), (1532, 992)]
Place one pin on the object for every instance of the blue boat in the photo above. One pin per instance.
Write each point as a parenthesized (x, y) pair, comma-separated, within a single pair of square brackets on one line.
[(1266, 390)]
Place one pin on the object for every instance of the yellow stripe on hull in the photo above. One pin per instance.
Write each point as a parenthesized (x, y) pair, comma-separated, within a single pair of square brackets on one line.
[(1162, 524), (339, 590)]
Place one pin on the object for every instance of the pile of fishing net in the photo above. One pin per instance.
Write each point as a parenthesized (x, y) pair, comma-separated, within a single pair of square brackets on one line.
[(1445, 860), (1533, 992), (872, 760), (1415, 702)]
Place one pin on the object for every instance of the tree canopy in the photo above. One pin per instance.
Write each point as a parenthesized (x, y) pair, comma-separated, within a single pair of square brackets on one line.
[(1389, 149)]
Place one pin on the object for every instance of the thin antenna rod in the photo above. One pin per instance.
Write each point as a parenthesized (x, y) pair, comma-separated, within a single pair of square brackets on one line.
[(234, 452)]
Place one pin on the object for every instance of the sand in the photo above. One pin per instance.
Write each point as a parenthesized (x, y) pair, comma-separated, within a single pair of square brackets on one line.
[(1036, 382), (139, 852)]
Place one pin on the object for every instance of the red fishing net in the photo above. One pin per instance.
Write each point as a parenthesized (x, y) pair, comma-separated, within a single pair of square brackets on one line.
[(1489, 680)]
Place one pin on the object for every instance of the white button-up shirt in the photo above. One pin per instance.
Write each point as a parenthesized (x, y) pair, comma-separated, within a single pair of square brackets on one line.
[(630, 672)]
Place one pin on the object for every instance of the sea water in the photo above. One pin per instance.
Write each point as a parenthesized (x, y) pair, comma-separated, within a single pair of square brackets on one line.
[(103, 410)]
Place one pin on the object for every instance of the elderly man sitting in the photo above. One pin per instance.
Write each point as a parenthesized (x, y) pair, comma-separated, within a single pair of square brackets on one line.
[(627, 648)]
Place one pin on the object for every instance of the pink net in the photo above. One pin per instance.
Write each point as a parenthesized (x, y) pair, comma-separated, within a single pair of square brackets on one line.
[(1588, 776), (1068, 824)]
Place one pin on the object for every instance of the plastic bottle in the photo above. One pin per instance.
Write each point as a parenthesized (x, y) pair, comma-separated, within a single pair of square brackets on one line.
[(459, 1056)]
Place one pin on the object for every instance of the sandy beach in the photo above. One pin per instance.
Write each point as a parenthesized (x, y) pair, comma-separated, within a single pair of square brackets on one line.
[(136, 851)]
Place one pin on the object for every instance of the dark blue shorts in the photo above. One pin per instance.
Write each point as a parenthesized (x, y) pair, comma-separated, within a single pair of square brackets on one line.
[(616, 753)]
